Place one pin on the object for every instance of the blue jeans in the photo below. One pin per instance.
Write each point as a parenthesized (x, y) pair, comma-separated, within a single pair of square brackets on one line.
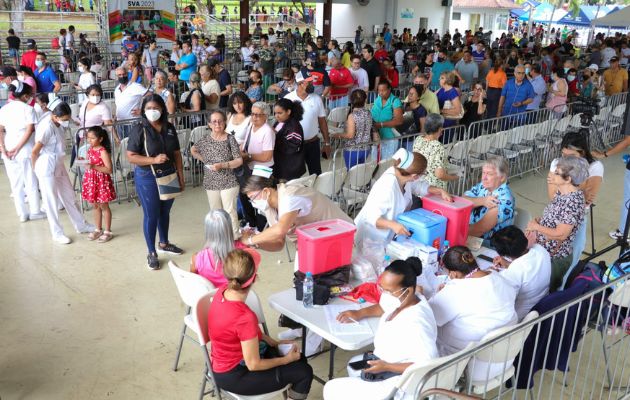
[(354, 157), (626, 199), (156, 212), (388, 148), (338, 102)]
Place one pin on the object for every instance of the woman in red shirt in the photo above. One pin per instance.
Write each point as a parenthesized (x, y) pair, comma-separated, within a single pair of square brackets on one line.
[(240, 351)]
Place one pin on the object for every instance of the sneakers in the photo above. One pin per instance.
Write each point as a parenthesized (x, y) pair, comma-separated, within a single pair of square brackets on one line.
[(169, 248), (152, 262), (36, 216), (61, 239), (616, 235), (23, 218)]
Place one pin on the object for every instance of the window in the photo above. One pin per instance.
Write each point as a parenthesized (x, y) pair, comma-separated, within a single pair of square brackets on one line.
[(424, 23), (502, 22), (457, 16)]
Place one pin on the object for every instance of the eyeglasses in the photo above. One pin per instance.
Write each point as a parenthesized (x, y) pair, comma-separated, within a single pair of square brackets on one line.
[(259, 115), (254, 197), (381, 290), (217, 122)]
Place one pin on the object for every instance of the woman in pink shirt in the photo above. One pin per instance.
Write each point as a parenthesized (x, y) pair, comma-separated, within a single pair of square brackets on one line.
[(208, 262), (25, 74)]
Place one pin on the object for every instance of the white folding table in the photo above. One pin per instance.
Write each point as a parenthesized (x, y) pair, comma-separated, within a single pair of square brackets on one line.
[(315, 319)]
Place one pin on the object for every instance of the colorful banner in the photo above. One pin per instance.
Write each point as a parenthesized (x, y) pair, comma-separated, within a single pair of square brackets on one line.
[(155, 17)]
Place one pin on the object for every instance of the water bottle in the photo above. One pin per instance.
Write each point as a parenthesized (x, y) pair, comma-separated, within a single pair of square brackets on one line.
[(386, 261), (307, 289), (626, 158), (445, 248)]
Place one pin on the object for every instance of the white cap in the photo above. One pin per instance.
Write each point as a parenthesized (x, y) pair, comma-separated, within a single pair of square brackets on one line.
[(593, 67), (405, 157), (54, 101), (18, 86), (262, 171)]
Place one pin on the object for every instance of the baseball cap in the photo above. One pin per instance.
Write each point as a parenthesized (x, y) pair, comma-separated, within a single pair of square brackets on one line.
[(7, 71), (614, 59), (30, 43), (593, 67), (303, 76)]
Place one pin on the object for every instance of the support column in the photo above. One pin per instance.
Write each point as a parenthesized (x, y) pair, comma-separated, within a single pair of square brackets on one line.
[(327, 19), (244, 19)]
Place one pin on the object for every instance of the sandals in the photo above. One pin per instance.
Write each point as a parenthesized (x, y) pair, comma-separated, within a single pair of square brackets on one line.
[(105, 237), (95, 235)]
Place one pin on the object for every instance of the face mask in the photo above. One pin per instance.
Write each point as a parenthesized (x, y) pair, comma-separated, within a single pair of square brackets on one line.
[(81, 69), (153, 115), (526, 71), (440, 59), (571, 78), (389, 303), (310, 88), (64, 124), (123, 80), (39, 63), (566, 70), (3, 85), (260, 205), (586, 77), (21, 78), (95, 99)]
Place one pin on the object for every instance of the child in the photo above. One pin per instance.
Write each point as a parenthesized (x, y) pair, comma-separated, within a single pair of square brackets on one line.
[(98, 187)]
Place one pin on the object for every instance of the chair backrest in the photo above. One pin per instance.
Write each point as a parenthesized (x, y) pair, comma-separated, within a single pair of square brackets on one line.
[(458, 151), (200, 311), (383, 166), (74, 108), (621, 296), (197, 133), (521, 218), (619, 111), (507, 348), (360, 175), (445, 379), (125, 165), (191, 286), (338, 115), (109, 84), (307, 181), (324, 182), (253, 302)]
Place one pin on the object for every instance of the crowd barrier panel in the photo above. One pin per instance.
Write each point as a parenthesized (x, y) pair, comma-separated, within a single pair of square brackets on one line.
[(574, 351)]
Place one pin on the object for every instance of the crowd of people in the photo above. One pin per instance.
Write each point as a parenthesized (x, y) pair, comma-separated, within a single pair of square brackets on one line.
[(248, 157)]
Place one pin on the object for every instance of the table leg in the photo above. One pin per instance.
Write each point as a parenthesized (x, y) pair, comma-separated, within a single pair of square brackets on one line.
[(331, 366), (304, 341)]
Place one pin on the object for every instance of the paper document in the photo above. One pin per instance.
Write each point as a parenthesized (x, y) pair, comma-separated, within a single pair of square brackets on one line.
[(351, 328), (489, 253)]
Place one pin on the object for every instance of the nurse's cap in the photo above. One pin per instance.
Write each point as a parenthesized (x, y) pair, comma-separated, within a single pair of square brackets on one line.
[(19, 87), (54, 101), (405, 157), (262, 171)]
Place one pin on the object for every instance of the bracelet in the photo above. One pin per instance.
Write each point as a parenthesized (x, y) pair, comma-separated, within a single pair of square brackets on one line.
[(326, 143), (605, 154)]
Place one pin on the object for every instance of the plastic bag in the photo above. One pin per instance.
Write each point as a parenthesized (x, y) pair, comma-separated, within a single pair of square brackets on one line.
[(367, 260)]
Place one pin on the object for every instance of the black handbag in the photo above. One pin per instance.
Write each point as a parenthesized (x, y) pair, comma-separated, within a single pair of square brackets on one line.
[(322, 283), (243, 172)]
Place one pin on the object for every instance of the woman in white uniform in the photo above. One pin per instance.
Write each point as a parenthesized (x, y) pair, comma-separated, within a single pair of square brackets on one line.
[(47, 159), (391, 195), (17, 124), (406, 335)]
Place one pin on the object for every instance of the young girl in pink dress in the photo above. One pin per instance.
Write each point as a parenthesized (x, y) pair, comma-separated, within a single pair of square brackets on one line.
[(98, 187)]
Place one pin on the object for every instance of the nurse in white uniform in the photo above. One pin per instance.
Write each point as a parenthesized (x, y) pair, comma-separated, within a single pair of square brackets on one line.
[(391, 195), (48, 162), (17, 124)]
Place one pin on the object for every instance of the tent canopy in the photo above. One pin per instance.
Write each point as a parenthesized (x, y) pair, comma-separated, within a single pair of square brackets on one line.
[(543, 13), (585, 15), (620, 18), (525, 7)]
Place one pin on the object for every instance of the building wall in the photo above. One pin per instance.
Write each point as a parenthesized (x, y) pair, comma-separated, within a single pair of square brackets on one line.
[(489, 20)]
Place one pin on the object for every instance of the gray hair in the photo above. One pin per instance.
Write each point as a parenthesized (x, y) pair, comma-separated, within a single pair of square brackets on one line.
[(262, 106), (433, 123), (573, 167), (219, 234), (195, 80), (161, 73), (500, 164)]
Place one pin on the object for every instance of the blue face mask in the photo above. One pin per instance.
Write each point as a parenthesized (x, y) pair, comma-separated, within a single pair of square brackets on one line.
[(526, 71), (566, 70), (39, 63)]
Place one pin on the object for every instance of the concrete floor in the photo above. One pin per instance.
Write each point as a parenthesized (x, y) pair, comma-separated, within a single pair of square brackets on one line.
[(90, 321)]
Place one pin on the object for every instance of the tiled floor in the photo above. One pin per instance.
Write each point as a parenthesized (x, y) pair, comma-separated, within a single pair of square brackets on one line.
[(90, 321)]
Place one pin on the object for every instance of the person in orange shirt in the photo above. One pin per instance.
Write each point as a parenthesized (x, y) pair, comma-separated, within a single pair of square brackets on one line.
[(495, 80)]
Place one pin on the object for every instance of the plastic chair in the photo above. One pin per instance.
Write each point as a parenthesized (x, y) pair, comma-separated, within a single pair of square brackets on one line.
[(382, 166), (521, 218), (502, 352), (620, 298), (307, 181), (446, 379), (355, 186), (253, 302), (201, 312), (325, 181), (336, 118), (190, 287), (109, 84)]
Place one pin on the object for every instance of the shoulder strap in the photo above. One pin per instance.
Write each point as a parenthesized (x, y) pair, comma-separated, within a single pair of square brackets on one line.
[(146, 150), (249, 135)]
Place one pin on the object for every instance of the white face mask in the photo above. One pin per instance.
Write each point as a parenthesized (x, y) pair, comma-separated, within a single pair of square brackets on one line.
[(153, 115), (81, 69), (64, 124), (20, 78), (390, 303), (95, 99), (261, 205)]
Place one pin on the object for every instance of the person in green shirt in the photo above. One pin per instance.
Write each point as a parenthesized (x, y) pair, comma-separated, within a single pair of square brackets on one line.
[(387, 113)]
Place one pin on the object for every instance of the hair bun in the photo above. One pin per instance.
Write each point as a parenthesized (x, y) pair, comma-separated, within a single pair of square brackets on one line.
[(416, 264)]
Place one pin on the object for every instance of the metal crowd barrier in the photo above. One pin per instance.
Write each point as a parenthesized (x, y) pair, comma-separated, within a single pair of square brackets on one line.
[(574, 351)]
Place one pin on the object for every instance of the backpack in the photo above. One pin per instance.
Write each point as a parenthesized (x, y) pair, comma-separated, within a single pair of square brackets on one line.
[(618, 269), (54, 43)]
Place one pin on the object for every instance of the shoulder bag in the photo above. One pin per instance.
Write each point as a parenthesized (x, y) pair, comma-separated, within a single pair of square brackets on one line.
[(243, 172), (167, 183)]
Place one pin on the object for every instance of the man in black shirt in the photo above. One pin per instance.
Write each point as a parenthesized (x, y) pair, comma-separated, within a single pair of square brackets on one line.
[(371, 66), (225, 81), (14, 46)]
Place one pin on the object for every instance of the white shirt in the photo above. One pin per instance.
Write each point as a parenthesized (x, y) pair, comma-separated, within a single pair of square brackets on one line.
[(625, 54), (128, 99), (530, 275), (86, 80), (69, 40), (467, 309), (15, 116), (176, 55), (410, 337), (388, 201), (399, 57), (313, 110), (247, 52), (239, 131), (151, 58), (52, 137), (361, 80), (607, 54), (208, 88)]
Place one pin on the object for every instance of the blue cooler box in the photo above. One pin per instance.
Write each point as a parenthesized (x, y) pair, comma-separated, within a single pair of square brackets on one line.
[(425, 227)]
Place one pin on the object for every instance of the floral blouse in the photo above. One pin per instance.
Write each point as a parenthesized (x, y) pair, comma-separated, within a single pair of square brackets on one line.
[(563, 209), (505, 216), (213, 152), (434, 152)]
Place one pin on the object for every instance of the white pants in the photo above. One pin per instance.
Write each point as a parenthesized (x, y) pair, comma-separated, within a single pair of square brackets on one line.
[(23, 183), (354, 387), (57, 187), (226, 200)]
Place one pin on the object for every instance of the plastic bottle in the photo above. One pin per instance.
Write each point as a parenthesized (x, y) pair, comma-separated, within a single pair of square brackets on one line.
[(626, 158), (386, 261), (307, 287), (445, 248)]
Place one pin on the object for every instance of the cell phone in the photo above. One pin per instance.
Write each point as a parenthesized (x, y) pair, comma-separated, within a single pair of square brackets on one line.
[(485, 257), (359, 365)]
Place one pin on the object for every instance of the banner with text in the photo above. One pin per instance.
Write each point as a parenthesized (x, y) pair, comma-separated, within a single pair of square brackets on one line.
[(155, 17)]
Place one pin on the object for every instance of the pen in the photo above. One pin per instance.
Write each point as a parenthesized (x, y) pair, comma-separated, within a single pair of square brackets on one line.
[(353, 320)]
